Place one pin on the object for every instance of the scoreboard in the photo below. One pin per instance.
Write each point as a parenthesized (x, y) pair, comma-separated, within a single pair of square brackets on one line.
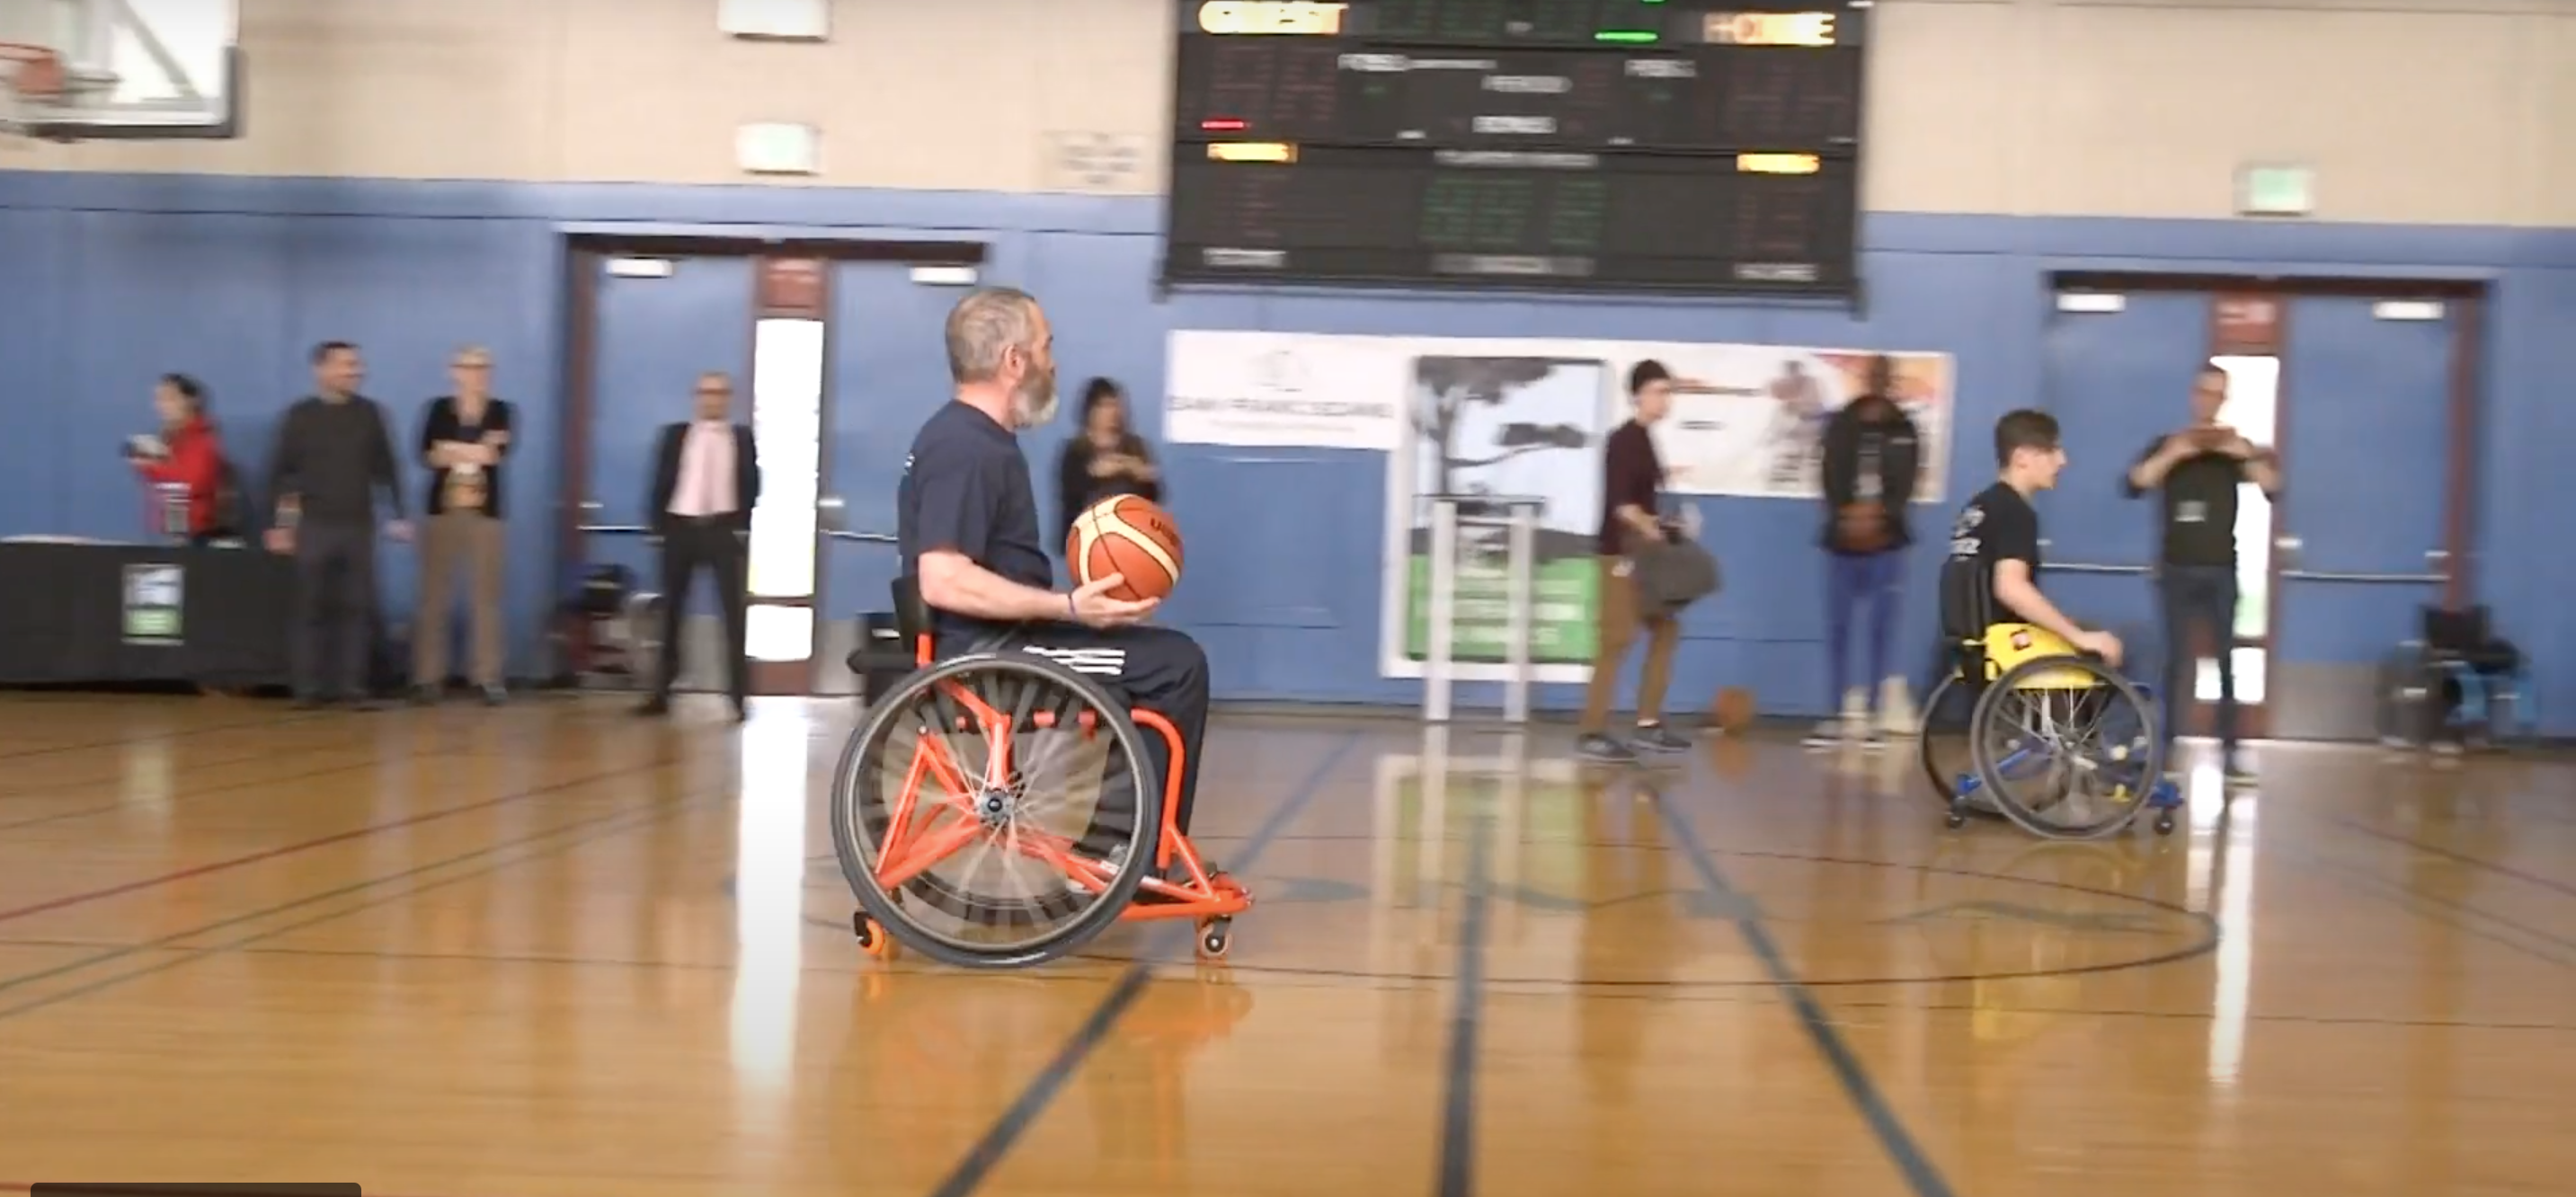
[(1702, 146)]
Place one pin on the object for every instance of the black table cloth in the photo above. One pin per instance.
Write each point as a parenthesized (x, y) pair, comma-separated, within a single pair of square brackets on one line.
[(116, 614)]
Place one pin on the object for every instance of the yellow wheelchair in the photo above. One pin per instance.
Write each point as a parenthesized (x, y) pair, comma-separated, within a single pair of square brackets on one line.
[(2055, 740)]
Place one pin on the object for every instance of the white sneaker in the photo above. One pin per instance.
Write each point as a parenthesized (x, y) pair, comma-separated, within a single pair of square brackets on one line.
[(1897, 716)]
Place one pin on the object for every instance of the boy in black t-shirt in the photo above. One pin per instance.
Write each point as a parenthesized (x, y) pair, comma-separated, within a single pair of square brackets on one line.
[(2197, 473), (1995, 543)]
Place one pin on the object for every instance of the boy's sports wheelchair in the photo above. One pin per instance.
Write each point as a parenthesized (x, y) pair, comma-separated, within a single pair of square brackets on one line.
[(961, 836), (2058, 742)]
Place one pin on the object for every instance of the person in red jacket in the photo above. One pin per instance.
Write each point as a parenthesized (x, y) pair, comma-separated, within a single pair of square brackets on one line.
[(190, 453)]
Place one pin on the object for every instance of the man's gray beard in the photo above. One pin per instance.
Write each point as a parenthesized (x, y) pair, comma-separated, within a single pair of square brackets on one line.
[(1035, 412)]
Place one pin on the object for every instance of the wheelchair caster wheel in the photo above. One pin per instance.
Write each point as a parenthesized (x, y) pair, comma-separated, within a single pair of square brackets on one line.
[(1954, 820), (873, 939), (2164, 823), (1215, 937)]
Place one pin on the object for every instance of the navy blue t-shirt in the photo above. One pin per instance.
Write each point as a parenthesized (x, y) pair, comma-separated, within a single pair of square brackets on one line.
[(966, 488)]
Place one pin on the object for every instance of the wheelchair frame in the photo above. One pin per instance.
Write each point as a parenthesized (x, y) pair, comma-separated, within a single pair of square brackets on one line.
[(2039, 666), (1211, 899)]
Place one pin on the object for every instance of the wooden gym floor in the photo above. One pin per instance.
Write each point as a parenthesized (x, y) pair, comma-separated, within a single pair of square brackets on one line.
[(554, 950)]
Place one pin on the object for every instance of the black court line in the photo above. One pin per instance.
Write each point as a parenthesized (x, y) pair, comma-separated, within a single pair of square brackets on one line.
[(998, 1139), (1466, 1015), (568, 837), (2481, 864), (170, 940), (157, 737), (1908, 1156)]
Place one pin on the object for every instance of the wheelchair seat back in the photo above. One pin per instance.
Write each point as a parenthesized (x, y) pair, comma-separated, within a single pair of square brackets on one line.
[(1987, 643), (912, 617)]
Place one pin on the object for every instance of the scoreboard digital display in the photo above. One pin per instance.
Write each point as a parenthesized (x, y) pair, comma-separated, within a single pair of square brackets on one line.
[(1679, 145)]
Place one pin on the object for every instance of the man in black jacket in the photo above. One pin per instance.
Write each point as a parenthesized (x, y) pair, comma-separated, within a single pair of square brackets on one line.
[(332, 455), (1872, 456), (705, 482)]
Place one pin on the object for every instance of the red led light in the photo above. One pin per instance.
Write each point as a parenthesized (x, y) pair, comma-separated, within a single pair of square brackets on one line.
[(1222, 124)]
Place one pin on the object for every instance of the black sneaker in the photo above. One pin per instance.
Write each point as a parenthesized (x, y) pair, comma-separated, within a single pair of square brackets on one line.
[(1594, 746), (426, 695), (1655, 737)]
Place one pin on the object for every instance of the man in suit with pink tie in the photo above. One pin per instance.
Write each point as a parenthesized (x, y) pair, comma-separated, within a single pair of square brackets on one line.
[(704, 486)]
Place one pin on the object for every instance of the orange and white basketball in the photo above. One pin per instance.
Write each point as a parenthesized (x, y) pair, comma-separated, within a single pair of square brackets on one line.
[(1129, 535)]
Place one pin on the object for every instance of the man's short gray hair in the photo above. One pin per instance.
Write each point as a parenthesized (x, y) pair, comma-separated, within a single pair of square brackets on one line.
[(983, 325)]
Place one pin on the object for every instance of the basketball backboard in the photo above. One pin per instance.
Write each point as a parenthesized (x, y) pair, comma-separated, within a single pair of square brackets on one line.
[(138, 69)]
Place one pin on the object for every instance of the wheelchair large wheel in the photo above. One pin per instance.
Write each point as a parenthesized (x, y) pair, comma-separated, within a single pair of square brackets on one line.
[(1942, 745), (995, 811), (2066, 748)]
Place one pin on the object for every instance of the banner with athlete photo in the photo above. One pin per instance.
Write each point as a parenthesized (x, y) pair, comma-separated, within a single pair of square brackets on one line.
[(1283, 389), (1749, 420), (1525, 417)]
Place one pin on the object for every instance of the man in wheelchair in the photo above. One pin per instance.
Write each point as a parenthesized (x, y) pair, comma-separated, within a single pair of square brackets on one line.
[(967, 529), (2062, 743), (1992, 576)]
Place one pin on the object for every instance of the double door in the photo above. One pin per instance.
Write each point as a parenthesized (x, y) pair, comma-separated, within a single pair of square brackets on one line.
[(2355, 393), (834, 364)]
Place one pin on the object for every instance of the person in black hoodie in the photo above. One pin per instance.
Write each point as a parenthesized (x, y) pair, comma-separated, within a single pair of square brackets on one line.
[(1104, 458), (1872, 456)]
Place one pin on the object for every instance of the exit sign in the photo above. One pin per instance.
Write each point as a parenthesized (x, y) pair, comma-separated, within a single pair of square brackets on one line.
[(2276, 191)]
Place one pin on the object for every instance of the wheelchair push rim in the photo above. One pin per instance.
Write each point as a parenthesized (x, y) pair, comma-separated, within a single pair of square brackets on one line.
[(995, 811), (2104, 754)]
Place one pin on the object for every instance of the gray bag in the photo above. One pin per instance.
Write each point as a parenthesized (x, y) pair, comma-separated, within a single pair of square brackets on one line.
[(1672, 574)]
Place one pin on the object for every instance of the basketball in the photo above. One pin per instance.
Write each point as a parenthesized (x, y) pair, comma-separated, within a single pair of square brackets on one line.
[(1129, 535), (1734, 708), (1862, 527)]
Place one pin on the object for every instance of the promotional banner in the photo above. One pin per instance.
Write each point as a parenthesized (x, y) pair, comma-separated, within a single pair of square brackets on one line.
[(1496, 419), (1276, 389), (1749, 420)]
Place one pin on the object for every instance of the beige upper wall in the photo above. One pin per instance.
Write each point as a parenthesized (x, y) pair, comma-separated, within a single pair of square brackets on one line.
[(2435, 111)]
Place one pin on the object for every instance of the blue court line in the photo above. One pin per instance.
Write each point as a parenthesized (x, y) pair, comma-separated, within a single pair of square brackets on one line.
[(1005, 1132), (1917, 1168), (1466, 1018)]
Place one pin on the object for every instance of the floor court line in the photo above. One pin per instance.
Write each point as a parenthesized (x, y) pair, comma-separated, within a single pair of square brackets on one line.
[(190, 733), (1004, 1133), (2459, 916), (1457, 1174), (371, 763), (1921, 1175), (165, 941), (2482, 865), (193, 872), (579, 832)]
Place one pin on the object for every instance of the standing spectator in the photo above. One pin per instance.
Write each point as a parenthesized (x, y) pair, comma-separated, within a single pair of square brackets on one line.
[(1632, 477), (186, 453), (2197, 473), (463, 439), (705, 482), (332, 455), (1104, 458), (1872, 455)]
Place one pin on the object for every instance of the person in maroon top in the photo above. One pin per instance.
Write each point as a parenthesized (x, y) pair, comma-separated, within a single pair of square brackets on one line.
[(190, 454), (1632, 475)]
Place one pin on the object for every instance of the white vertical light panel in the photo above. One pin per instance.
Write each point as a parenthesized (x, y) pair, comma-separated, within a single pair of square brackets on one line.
[(787, 426)]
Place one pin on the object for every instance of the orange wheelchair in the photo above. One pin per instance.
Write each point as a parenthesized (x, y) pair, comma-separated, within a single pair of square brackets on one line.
[(991, 811)]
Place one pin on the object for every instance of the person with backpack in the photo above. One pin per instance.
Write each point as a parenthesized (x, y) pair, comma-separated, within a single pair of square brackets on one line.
[(187, 453)]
